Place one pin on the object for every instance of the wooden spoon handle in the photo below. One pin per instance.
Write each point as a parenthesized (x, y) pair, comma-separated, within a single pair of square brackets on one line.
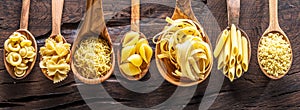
[(97, 20), (25, 14), (135, 15), (233, 8), (57, 8), (273, 14), (183, 9)]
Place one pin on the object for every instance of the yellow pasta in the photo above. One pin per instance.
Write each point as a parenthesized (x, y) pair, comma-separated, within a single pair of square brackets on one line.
[(20, 52), (182, 44), (92, 57), (231, 73), (227, 49), (55, 55), (239, 56), (234, 42), (221, 60), (239, 70), (245, 54), (274, 54), (233, 62), (221, 43)]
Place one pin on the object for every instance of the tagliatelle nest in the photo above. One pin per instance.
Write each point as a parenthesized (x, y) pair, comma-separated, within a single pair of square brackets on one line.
[(182, 43)]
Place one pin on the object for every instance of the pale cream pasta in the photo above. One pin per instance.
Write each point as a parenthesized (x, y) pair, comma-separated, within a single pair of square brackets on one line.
[(245, 54), (234, 42), (239, 56), (221, 43)]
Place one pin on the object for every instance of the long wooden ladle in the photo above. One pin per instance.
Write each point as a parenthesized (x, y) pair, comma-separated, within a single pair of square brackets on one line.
[(57, 9), (183, 10), (94, 25), (24, 31), (135, 27), (274, 28)]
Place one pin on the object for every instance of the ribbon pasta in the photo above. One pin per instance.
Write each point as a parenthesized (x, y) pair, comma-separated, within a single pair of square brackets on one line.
[(233, 53), (20, 52), (183, 45)]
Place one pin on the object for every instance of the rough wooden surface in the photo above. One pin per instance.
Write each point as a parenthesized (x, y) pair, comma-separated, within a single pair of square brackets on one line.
[(252, 91)]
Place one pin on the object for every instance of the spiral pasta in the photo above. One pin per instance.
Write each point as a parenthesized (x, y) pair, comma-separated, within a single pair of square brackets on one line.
[(20, 52), (55, 58)]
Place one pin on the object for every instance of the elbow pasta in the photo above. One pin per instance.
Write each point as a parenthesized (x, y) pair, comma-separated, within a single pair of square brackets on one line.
[(235, 62), (55, 58), (274, 54), (20, 52)]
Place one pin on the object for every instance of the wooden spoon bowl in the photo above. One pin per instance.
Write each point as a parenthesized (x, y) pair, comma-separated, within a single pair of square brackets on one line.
[(93, 25), (182, 11), (23, 30), (10, 68), (274, 28), (144, 67)]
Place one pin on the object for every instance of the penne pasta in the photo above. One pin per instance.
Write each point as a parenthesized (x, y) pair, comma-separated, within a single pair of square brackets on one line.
[(234, 42), (239, 56), (225, 69), (245, 54), (231, 73), (227, 50), (238, 70), (221, 43), (221, 60), (232, 61)]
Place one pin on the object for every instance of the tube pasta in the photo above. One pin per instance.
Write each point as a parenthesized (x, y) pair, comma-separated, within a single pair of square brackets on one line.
[(239, 56), (234, 42), (231, 73), (20, 52), (221, 43), (221, 60), (239, 70), (245, 54), (232, 62)]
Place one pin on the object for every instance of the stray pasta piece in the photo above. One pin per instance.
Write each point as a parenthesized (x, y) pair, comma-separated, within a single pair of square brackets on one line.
[(233, 56), (92, 57), (274, 54), (183, 45), (55, 55), (20, 52)]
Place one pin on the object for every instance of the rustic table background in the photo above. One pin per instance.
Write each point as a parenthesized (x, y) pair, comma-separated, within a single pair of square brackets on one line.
[(252, 91)]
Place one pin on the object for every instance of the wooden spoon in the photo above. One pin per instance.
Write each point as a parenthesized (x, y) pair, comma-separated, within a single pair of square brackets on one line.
[(135, 19), (93, 25), (183, 10), (57, 8), (233, 8), (24, 31), (274, 28)]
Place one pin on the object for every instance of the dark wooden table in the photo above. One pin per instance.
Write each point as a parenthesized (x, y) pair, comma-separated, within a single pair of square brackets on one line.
[(252, 91)]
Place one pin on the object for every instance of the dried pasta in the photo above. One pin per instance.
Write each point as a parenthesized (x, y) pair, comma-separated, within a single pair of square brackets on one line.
[(274, 54), (135, 55), (235, 62), (55, 55), (92, 57), (20, 52), (221, 43), (183, 45)]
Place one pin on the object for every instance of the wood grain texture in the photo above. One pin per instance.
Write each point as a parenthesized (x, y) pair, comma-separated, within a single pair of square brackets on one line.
[(252, 91)]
